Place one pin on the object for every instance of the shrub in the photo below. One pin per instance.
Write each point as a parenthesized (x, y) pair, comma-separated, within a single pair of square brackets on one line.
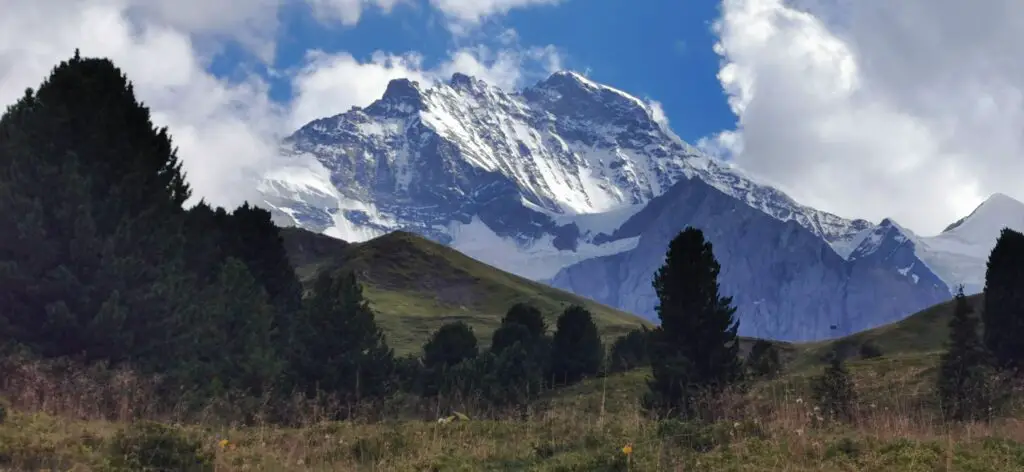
[(153, 446)]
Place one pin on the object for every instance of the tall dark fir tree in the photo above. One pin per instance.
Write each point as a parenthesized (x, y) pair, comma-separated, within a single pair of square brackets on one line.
[(576, 348), (1003, 314), (694, 353), (90, 237), (964, 382)]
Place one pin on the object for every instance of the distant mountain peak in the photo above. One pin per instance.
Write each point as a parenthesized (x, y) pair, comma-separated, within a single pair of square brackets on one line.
[(995, 209)]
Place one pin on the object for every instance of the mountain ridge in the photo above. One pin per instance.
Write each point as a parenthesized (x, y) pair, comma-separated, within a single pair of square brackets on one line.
[(557, 174), (562, 157)]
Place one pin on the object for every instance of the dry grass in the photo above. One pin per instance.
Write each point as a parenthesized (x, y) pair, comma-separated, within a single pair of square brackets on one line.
[(71, 423)]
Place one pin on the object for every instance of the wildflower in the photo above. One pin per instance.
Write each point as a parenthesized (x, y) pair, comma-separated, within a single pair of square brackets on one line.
[(223, 443), (799, 400), (800, 432), (627, 449)]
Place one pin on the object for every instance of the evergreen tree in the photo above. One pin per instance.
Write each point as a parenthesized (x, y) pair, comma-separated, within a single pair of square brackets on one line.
[(1003, 314), (694, 352), (235, 351), (764, 360), (963, 384), (834, 393), (451, 344), (338, 346), (528, 316), (576, 349), (629, 351), (92, 196), (523, 323)]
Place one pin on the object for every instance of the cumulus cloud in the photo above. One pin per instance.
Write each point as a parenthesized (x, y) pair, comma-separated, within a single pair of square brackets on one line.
[(226, 130), (465, 15), (873, 108)]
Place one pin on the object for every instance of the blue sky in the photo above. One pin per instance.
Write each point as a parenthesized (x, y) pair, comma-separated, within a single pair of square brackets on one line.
[(832, 102), (659, 50)]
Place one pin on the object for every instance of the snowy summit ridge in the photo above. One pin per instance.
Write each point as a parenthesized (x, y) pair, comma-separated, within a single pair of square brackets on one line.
[(528, 181)]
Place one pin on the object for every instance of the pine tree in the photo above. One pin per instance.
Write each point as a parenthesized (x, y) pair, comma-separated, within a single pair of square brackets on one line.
[(964, 386), (834, 392), (451, 344), (576, 349), (91, 194), (1003, 314), (694, 352), (523, 323), (236, 345), (338, 346), (629, 351)]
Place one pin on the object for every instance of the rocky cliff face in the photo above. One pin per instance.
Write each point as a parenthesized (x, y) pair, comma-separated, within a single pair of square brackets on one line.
[(787, 282)]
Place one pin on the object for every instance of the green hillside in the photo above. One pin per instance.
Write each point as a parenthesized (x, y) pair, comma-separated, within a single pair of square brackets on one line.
[(416, 285), (924, 332)]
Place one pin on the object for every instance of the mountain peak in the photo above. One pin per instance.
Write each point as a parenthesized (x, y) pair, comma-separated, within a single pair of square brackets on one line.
[(998, 207)]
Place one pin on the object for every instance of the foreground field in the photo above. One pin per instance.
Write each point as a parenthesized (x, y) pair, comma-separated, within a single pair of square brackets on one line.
[(583, 428)]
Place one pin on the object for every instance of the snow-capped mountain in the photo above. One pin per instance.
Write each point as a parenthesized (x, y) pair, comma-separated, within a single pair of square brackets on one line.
[(786, 281), (529, 181), (957, 255)]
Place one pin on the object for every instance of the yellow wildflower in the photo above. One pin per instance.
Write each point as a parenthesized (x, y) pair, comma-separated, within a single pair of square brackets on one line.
[(223, 443), (627, 449)]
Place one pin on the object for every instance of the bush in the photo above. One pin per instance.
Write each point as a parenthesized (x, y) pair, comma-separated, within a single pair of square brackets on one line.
[(151, 446), (870, 350), (834, 392)]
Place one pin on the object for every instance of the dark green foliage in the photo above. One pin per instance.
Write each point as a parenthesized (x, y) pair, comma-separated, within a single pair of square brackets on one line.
[(89, 235), (629, 351), (528, 316), (451, 344), (235, 349), (153, 446), (965, 382), (1003, 314), (764, 360), (870, 350), (576, 349), (695, 351), (339, 347), (834, 392)]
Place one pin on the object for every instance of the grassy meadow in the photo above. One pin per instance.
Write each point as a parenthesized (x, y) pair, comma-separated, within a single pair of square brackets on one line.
[(73, 423)]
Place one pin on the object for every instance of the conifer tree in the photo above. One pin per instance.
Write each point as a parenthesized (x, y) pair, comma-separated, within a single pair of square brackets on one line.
[(629, 350), (236, 345), (91, 195), (338, 346), (1003, 314), (834, 392), (576, 349), (694, 352), (451, 344), (963, 384), (523, 323)]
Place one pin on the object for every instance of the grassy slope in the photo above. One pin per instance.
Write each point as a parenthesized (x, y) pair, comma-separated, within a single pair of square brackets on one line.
[(416, 285), (584, 427), (922, 333)]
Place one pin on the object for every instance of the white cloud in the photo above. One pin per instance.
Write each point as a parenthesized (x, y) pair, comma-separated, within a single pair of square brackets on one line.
[(348, 12), (223, 130), (226, 131), (465, 15), (873, 108)]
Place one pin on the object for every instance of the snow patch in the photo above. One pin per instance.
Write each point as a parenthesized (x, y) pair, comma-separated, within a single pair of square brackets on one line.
[(537, 260)]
